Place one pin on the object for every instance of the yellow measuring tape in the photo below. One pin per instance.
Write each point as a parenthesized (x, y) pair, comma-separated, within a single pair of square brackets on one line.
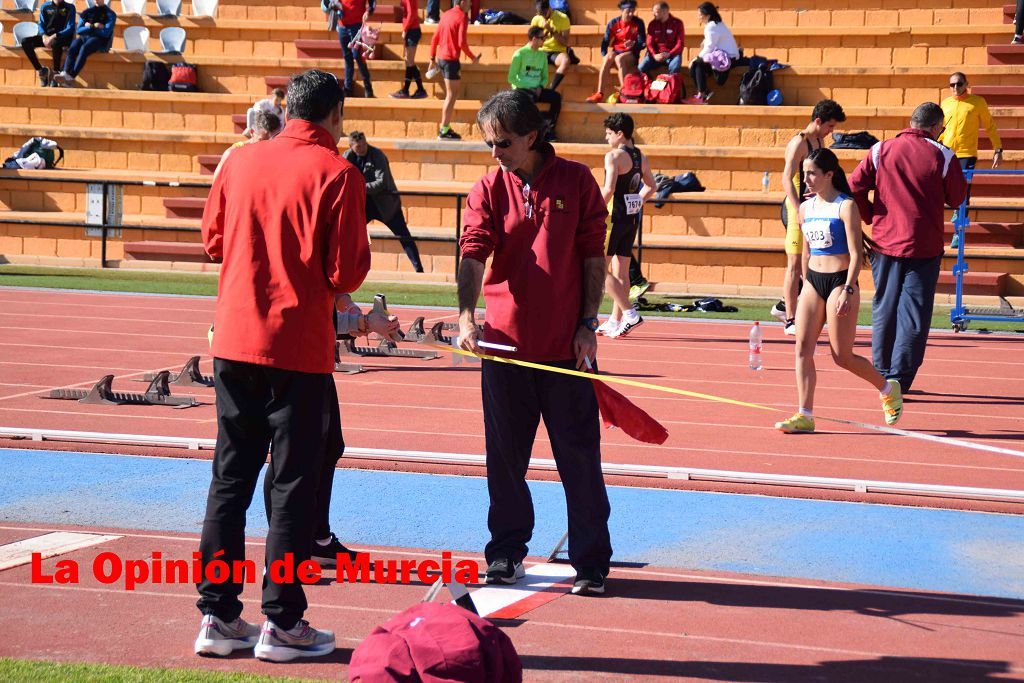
[(605, 378)]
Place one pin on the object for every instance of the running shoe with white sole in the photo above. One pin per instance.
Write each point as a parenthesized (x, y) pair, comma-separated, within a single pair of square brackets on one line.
[(219, 638), (588, 582), (628, 325), (798, 424), (790, 328), (892, 405), (779, 311), (505, 570), (278, 645), (607, 326)]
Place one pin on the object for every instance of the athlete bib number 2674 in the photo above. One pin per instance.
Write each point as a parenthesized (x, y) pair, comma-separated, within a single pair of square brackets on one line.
[(633, 204)]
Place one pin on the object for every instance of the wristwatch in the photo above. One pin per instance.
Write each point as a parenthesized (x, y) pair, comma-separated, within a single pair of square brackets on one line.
[(590, 323), (849, 289)]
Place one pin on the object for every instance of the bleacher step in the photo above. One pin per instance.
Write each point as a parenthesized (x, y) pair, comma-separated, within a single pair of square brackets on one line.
[(1005, 54), (978, 284), (1001, 95)]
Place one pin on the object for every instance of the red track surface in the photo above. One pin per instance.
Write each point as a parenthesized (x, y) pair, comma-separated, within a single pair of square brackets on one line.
[(655, 623), (973, 390)]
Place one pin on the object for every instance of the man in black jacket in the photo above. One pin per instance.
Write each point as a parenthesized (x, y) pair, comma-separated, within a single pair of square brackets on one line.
[(56, 31), (382, 200)]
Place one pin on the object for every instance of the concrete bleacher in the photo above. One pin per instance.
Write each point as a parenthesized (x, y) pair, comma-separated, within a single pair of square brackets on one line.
[(878, 59)]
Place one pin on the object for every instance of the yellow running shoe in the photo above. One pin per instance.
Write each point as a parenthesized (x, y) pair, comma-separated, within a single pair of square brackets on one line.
[(798, 424), (892, 405)]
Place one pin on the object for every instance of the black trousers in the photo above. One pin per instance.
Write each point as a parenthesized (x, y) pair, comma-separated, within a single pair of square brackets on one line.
[(699, 72), (1018, 21), (901, 314), (553, 98), (30, 44), (400, 229), (259, 408), (334, 448), (514, 400)]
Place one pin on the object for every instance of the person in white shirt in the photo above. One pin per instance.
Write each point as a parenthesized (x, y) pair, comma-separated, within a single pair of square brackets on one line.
[(717, 52), (272, 105)]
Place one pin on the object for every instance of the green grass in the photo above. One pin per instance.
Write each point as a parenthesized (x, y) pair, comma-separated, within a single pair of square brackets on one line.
[(24, 671), (201, 284)]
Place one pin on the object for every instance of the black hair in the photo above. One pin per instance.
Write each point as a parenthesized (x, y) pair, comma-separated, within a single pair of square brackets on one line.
[(542, 6), (959, 74), (278, 92), (828, 110), (515, 111), (828, 162), (927, 115), (535, 32), (620, 123), (266, 121), (313, 95), (710, 11), (662, 5)]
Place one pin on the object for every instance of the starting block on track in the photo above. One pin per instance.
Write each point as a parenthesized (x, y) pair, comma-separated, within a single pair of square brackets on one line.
[(348, 368), (417, 333), (158, 394), (436, 336), (190, 376), (388, 346), (460, 596)]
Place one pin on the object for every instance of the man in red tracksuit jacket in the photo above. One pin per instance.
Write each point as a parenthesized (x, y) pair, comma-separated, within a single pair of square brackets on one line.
[(665, 38), (541, 221), (914, 178), (287, 220)]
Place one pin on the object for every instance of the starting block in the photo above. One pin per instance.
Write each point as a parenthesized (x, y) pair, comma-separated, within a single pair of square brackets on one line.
[(417, 333), (460, 596), (158, 394), (348, 368), (190, 376), (388, 346), (436, 336)]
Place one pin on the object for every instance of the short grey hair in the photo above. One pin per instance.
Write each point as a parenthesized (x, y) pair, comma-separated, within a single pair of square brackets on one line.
[(513, 110), (927, 115)]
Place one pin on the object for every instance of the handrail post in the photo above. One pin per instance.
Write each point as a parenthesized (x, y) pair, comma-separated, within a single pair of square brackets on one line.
[(103, 227)]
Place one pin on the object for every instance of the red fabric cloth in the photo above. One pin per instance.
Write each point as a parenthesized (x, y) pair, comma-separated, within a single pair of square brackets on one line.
[(450, 37), (352, 12), (534, 287), (287, 218), (410, 14), (436, 642), (914, 178), (619, 411), (665, 36)]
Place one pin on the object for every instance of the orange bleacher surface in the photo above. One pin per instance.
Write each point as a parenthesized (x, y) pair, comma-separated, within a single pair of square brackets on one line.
[(877, 59)]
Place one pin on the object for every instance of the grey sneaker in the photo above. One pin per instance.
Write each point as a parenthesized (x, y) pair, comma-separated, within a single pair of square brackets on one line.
[(219, 638), (505, 570), (278, 645), (588, 582)]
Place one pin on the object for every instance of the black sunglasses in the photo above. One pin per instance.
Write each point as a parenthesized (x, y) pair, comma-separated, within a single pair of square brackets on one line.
[(957, 84)]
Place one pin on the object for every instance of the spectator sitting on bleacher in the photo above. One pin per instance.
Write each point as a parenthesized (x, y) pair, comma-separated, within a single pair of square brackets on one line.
[(95, 34), (353, 14), (717, 52), (273, 104), (265, 126), (56, 31), (529, 73), (624, 37), (664, 41), (556, 48)]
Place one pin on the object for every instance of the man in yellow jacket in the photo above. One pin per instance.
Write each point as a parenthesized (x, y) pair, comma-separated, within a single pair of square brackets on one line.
[(965, 116)]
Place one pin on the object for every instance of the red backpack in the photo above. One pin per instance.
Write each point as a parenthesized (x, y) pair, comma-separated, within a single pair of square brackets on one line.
[(434, 642), (184, 78), (633, 87), (666, 89)]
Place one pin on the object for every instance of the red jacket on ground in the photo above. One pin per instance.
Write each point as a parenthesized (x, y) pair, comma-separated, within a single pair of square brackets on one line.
[(450, 37), (665, 36), (914, 179), (287, 218), (533, 289)]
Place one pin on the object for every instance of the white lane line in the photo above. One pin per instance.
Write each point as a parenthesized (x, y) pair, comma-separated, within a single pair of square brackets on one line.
[(538, 578), (48, 545)]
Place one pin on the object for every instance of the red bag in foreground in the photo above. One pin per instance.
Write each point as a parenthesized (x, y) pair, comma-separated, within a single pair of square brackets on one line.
[(619, 411), (434, 642)]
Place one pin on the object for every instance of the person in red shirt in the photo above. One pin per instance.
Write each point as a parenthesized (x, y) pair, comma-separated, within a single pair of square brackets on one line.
[(448, 43), (664, 42), (913, 177), (624, 38), (292, 243), (541, 221), (411, 35)]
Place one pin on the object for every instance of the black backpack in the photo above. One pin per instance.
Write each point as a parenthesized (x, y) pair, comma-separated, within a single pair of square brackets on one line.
[(155, 76), (757, 82)]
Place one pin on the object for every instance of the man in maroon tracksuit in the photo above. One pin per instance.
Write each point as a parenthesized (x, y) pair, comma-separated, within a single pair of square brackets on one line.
[(914, 177), (664, 41), (541, 219)]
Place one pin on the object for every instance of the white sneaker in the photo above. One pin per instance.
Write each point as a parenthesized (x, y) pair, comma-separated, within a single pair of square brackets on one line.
[(629, 323), (790, 328), (607, 326), (779, 311), (219, 638), (277, 645)]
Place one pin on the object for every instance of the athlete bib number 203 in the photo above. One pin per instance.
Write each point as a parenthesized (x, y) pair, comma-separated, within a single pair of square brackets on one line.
[(633, 204), (818, 238)]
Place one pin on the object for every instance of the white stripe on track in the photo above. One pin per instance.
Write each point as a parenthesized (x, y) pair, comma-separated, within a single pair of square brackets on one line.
[(48, 545)]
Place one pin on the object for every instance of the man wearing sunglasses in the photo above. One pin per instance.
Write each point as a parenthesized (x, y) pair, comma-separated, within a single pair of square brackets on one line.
[(964, 117), (541, 220)]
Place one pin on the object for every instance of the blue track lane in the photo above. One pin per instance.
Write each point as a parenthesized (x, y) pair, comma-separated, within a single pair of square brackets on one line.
[(918, 548)]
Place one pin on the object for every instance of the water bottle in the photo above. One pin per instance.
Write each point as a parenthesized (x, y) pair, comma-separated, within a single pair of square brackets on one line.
[(765, 181), (755, 347)]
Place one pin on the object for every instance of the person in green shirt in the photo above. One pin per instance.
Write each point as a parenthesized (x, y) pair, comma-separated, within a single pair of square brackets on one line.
[(556, 27), (529, 72)]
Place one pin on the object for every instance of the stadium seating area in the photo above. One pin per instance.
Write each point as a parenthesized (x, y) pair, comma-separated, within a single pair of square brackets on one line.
[(878, 59)]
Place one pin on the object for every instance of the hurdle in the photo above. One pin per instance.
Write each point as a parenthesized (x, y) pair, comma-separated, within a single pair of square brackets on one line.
[(102, 393)]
